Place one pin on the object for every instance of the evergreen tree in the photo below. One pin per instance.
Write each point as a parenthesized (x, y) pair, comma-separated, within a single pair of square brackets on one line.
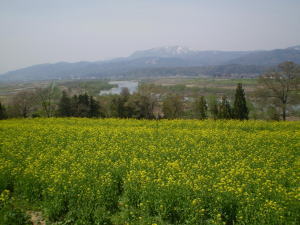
[(75, 106), (224, 109), (83, 105), (200, 107), (64, 106), (84, 99), (94, 108), (240, 109), (3, 114), (124, 111), (213, 107)]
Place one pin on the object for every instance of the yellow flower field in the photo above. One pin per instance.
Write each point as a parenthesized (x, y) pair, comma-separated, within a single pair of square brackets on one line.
[(113, 171)]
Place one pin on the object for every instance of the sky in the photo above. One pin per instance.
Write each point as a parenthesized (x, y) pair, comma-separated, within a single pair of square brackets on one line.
[(49, 31)]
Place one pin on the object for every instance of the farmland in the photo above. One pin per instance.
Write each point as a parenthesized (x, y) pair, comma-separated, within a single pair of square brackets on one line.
[(121, 171)]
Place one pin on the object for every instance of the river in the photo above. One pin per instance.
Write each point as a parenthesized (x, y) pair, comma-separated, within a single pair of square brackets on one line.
[(131, 85)]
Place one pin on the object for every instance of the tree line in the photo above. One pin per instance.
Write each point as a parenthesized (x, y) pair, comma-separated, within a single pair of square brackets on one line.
[(124, 105), (278, 89)]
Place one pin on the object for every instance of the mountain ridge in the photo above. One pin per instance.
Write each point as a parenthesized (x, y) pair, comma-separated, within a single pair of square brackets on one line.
[(161, 57)]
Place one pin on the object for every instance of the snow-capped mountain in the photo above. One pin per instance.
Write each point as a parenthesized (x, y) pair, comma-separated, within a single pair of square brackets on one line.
[(164, 60), (167, 51)]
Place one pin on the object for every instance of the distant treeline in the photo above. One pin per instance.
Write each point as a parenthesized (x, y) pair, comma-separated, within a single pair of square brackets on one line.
[(276, 96), (44, 102), (233, 70)]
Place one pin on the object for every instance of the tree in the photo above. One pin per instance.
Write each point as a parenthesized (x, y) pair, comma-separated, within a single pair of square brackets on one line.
[(65, 106), (240, 109), (125, 94), (272, 114), (124, 111), (3, 114), (140, 106), (83, 105), (146, 106), (200, 108), (115, 106), (118, 106), (74, 106), (94, 110), (213, 107), (47, 98), (224, 109), (22, 104), (172, 106), (281, 84)]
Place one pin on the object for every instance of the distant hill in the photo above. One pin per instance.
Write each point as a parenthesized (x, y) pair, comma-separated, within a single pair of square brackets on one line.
[(273, 57), (160, 60), (190, 57)]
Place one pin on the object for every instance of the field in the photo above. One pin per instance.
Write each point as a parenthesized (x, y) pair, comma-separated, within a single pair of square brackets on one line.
[(112, 171), (203, 85), (93, 87)]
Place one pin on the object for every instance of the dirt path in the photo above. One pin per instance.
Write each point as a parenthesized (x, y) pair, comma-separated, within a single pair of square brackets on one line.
[(36, 218)]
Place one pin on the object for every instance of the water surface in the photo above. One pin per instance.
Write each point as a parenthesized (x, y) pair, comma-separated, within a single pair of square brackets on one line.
[(131, 85)]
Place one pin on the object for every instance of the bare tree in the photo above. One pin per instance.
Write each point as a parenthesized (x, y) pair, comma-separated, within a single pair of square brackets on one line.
[(21, 104), (47, 98), (280, 85)]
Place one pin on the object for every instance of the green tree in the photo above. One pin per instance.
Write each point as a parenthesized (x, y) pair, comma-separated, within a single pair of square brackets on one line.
[(280, 85), (200, 108), (3, 114), (115, 106), (74, 106), (224, 109), (213, 107), (124, 111), (94, 108), (140, 106), (240, 109), (172, 107), (272, 114), (119, 107), (83, 105), (65, 106)]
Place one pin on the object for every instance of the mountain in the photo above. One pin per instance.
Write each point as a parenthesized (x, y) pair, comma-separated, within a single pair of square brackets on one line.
[(188, 56), (272, 57), (297, 47), (141, 63), (166, 52)]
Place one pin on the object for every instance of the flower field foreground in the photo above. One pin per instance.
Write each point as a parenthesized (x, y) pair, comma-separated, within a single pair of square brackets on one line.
[(113, 171)]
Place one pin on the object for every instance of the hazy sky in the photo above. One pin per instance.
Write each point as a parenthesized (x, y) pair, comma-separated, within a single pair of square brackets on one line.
[(42, 31)]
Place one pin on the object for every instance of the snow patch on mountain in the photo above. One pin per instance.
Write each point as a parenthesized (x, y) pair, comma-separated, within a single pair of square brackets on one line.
[(167, 51)]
